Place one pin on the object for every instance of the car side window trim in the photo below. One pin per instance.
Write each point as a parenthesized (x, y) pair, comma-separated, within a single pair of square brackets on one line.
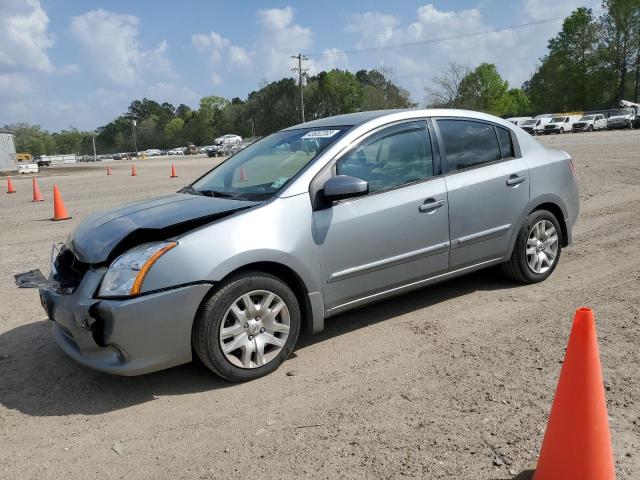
[(446, 170)]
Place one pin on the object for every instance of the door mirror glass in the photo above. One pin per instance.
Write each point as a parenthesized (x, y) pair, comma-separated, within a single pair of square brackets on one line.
[(345, 186)]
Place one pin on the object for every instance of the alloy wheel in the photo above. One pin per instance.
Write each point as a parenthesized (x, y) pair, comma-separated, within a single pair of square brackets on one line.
[(254, 329), (542, 247)]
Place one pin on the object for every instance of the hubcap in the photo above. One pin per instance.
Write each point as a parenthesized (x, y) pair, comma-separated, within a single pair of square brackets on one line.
[(254, 329), (542, 247)]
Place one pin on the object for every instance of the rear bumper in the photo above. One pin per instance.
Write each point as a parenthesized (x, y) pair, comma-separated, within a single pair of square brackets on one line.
[(124, 337)]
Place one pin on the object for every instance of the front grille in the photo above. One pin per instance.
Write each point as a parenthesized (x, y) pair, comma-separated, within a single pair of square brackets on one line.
[(579, 125), (69, 271)]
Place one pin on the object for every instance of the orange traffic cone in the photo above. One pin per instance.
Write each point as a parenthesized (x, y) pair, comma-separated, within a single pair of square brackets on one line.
[(577, 444), (108, 170), (243, 175), (133, 170), (173, 171), (10, 188), (37, 196), (59, 210)]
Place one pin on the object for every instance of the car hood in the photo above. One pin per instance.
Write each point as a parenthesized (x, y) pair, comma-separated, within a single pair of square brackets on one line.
[(105, 234)]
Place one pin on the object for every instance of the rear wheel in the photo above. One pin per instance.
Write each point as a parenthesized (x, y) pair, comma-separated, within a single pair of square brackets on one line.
[(248, 327), (537, 249), (590, 129)]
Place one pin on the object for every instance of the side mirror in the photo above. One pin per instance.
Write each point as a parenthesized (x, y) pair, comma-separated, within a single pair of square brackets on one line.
[(344, 186)]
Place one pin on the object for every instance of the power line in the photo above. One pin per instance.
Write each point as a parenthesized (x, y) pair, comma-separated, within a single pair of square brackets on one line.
[(358, 51), (499, 62)]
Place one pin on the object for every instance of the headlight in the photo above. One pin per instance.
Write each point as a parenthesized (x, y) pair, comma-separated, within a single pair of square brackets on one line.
[(127, 272)]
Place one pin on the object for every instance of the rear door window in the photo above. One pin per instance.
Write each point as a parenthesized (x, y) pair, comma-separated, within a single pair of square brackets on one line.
[(468, 143)]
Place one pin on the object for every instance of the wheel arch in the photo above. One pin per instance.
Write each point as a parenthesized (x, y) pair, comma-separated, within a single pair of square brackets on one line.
[(557, 212), (547, 202), (288, 276)]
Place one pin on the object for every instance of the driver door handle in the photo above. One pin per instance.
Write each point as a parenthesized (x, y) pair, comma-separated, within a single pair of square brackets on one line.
[(431, 205)]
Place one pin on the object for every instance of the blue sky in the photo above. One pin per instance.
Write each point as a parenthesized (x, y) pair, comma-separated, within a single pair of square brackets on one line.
[(80, 63)]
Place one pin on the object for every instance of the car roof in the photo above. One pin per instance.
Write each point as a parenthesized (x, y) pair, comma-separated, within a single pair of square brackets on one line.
[(360, 118), (347, 119)]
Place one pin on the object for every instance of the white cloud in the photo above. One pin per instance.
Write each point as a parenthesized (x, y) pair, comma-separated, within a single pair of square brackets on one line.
[(24, 36), (239, 56), (434, 32), (14, 84), (111, 43), (544, 9), (277, 38)]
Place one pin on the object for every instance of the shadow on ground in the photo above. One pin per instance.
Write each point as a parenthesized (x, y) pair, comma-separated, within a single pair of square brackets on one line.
[(37, 378), (526, 475)]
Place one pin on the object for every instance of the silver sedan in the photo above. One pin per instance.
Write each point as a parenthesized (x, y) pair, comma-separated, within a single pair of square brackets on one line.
[(309, 222)]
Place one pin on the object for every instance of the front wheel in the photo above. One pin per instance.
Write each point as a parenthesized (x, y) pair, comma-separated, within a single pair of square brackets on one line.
[(248, 327), (537, 249)]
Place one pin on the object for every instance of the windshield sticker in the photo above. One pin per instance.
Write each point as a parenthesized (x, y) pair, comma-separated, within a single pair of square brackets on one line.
[(279, 182), (320, 134)]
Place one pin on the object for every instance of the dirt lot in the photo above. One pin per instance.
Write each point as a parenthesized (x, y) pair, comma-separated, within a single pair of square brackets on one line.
[(454, 381)]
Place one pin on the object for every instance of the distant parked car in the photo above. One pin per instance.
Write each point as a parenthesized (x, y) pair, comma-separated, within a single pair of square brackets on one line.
[(589, 123), (152, 152), (117, 156), (519, 121), (282, 235), (560, 124), (42, 162), (623, 118), (176, 151)]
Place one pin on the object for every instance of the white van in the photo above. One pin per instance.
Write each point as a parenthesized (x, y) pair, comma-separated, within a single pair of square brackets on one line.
[(31, 167), (561, 124)]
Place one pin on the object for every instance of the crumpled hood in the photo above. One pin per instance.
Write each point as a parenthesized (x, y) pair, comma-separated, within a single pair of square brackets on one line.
[(93, 240)]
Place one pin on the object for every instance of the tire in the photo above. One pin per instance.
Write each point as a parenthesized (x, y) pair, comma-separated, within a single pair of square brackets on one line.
[(518, 267), (561, 131), (590, 129), (207, 330)]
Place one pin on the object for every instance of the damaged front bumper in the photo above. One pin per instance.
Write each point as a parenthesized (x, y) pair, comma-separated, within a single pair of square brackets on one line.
[(124, 337)]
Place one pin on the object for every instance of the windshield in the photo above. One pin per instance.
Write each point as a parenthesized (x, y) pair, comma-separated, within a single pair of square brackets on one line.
[(529, 122), (557, 119), (263, 168), (587, 117)]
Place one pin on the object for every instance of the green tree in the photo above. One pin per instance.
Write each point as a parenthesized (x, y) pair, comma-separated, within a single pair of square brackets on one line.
[(620, 25), (484, 90), (174, 132), (571, 76)]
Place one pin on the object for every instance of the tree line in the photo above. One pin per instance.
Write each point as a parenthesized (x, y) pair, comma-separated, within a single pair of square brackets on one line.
[(593, 63), (274, 106)]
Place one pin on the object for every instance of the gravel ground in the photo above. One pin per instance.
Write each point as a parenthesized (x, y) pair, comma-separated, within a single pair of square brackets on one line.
[(453, 381)]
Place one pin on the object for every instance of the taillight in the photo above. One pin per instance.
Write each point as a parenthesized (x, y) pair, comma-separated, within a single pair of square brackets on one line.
[(572, 166)]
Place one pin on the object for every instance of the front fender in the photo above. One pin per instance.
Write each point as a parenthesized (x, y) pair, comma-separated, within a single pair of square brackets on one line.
[(280, 231)]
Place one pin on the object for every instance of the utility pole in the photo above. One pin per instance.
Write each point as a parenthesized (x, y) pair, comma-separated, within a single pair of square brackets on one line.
[(301, 74), (94, 146), (135, 142)]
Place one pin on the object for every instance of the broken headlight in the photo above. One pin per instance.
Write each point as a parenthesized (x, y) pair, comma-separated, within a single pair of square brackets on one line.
[(126, 274)]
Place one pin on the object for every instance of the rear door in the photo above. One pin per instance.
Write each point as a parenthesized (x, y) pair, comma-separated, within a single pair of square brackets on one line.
[(395, 235), (488, 188)]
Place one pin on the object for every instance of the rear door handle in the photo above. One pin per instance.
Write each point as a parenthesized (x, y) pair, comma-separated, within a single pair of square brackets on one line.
[(515, 180), (431, 205)]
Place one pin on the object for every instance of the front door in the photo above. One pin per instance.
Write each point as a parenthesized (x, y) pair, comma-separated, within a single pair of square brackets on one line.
[(396, 234)]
